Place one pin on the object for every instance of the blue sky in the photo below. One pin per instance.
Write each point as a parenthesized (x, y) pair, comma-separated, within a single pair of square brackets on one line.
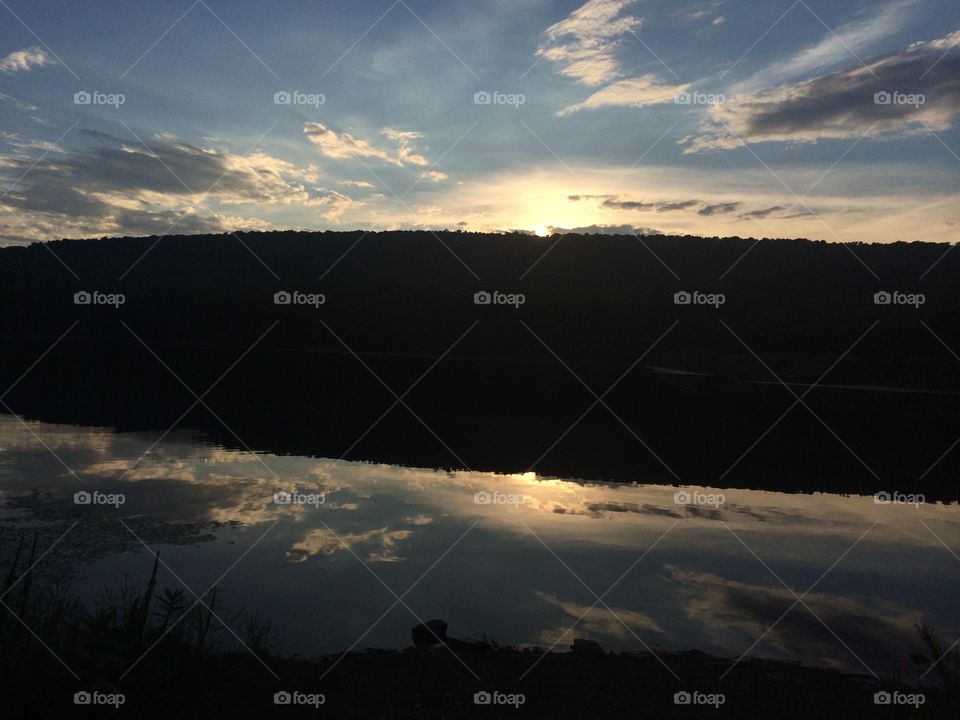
[(712, 117)]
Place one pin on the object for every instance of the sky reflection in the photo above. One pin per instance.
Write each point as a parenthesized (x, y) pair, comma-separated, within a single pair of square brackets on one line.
[(521, 568)]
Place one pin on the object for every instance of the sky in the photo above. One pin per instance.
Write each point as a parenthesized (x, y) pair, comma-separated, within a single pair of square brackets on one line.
[(833, 120)]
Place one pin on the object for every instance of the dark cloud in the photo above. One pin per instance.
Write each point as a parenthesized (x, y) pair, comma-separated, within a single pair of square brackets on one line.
[(842, 104), (719, 208), (762, 213), (616, 203), (114, 186), (875, 631), (676, 205), (629, 204)]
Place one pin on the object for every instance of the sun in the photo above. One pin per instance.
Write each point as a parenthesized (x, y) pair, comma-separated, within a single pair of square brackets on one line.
[(540, 230)]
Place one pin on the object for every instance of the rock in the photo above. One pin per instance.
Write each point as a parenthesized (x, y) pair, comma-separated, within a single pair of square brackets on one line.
[(430, 633), (587, 648)]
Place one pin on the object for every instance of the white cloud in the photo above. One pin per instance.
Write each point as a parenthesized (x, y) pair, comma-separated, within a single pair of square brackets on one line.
[(23, 60), (584, 43), (343, 146), (631, 92), (404, 141)]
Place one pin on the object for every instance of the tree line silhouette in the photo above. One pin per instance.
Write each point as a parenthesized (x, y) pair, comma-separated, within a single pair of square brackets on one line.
[(494, 385)]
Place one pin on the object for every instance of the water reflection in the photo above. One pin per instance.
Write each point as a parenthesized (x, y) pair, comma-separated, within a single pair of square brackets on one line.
[(516, 557)]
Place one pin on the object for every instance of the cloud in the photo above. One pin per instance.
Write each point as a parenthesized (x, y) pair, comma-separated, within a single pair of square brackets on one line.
[(584, 43), (23, 60), (19, 104), (343, 146), (16, 141), (619, 623), (631, 92), (670, 206), (842, 105), (404, 141), (837, 46), (322, 542), (613, 202), (705, 10), (763, 212), (876, 630), (114, 187), (603, 230), (704, 208), (719, 208)]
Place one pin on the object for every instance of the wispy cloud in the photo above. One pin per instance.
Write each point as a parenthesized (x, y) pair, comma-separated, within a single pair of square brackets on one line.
[(872, 100), (585, 46), (343, 146), (762, 212), (719, 208), (23, 60), (613, 202), (584, 43), (631, 92), (836, 47)]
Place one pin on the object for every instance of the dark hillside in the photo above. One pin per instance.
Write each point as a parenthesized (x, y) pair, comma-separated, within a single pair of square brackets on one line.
[(800, 311)]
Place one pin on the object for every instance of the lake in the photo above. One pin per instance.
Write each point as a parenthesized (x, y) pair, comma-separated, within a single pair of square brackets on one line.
[(324, 549)]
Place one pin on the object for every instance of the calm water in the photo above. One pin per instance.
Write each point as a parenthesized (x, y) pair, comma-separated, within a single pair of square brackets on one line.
[(521, 569)]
